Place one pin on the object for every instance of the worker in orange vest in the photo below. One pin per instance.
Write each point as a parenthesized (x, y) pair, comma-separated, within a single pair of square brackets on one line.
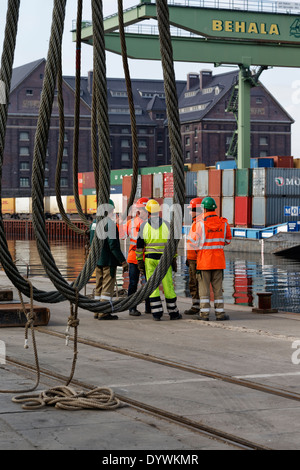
[(212, 233), (132, 228), (191, 258)]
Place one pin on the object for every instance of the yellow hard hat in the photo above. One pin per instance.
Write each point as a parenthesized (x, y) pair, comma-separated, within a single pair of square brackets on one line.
[(152, 206)]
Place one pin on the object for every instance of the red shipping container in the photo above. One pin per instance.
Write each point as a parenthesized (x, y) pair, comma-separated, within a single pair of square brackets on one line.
[(147, 183), (168, 185), (214, 182), (80, 183), (126, 186), (88, 180), (243, 211)]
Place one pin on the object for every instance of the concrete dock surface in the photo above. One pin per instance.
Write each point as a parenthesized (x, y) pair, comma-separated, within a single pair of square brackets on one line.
[(260, 348)]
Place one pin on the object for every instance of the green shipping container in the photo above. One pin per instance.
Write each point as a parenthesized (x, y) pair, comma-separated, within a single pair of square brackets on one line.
[(243, 182)]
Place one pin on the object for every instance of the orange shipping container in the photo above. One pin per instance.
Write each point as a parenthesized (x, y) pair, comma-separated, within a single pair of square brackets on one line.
[(8, 205), (147, 183), (215, 182), (243, 211)]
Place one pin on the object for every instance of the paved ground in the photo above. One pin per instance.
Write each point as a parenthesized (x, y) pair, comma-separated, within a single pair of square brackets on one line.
[(252, 346)]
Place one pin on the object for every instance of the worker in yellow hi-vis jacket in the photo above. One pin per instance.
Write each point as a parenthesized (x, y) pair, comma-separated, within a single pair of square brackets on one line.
[(152, 239)]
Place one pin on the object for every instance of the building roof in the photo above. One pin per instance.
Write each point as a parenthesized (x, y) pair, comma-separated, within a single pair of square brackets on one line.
[(20, 73)]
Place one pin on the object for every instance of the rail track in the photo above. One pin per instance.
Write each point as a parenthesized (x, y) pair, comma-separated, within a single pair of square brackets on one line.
[(210, 432)]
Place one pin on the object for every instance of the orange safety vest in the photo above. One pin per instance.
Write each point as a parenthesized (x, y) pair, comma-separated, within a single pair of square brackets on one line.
[(211, 234), (191, 251), (132, 230)]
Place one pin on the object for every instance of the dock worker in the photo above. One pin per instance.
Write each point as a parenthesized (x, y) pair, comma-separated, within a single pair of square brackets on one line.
[(132, 228), (212, 233), (152, 239), (111, 257), (191, 258)]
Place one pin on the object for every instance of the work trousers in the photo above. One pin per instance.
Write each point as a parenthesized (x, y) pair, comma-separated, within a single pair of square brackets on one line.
[(134, 277), (105, 283), (215, 278), (169, 291), (193, 285)]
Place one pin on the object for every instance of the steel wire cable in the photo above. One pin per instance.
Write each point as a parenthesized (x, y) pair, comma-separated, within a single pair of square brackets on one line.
[(66, 291)]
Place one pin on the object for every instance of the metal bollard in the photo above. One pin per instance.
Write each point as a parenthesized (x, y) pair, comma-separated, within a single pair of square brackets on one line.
[(264, 303)]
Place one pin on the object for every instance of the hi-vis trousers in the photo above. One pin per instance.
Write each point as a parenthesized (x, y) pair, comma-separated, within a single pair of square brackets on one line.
[(168, 287), (215, 278)]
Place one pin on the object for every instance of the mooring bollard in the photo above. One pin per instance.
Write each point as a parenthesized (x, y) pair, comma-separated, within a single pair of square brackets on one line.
[(264, 303)]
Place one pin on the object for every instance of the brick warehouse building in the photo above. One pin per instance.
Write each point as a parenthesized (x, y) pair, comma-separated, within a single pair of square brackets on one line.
[(206, 127)]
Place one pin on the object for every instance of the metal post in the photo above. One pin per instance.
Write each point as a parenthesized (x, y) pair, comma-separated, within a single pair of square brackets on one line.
[(243, 159)]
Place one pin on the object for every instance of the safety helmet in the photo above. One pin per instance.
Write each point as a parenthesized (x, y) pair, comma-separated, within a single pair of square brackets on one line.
[(194, 203), (141, 203), (111, 203), (209, 203), (152, 206)]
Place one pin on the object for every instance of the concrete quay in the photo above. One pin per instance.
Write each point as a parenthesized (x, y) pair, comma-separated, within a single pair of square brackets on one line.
[(262, 348)]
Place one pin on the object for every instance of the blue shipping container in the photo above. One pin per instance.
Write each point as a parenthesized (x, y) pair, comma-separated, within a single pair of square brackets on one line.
[(261, 162)]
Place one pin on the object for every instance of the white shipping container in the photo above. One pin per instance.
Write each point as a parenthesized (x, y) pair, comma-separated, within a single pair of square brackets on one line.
[(228, 182), (158, 185), (23, 205), (259, 181), (228, 209), (202, 183), (53, 206)]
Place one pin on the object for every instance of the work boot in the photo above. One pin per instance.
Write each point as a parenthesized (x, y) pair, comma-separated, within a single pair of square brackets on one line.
[(175, 316), (203, 317), (134, 312), (191, 311), (223, 317)]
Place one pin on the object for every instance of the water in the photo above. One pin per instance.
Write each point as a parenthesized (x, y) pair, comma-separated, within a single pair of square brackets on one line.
[(245, 274)]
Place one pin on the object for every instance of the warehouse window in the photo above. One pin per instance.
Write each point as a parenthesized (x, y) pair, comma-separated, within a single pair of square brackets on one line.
[(125, 157), (24, 151), (142, 157), (24, 136), (24, 166), (263, 141), (24, 182), (63, 182), (64, 166)]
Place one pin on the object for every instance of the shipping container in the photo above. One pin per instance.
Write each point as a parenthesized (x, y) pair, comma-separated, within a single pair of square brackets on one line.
[(168, 185), (126, 186), (71, 205), (147, 185), (116, 176), (23, 205), (80, 183), (191, 183), (296, 162), (198, 166), (283, 162), (261, 162), (228, 183), (8, 205), (243, 211), (51, 206), (283, 182), (259, 182), (158, 184), (243, 182), (218, 201), (91, 204), (228, 209), (226, 165), (88, 180), (215, 182), (275, 210), (202, 183)]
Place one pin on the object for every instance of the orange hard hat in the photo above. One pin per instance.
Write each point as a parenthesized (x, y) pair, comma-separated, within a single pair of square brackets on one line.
[(141, 203), (194, 203)]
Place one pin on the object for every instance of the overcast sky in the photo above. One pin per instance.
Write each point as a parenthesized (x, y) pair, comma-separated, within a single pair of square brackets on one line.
[(33, 39)]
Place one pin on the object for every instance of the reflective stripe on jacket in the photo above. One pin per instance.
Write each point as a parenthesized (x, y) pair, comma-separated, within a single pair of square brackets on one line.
[(152, 239), (209, 238), (132, 230)]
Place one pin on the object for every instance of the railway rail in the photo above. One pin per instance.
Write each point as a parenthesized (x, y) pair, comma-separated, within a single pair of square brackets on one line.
[(201, 428)]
